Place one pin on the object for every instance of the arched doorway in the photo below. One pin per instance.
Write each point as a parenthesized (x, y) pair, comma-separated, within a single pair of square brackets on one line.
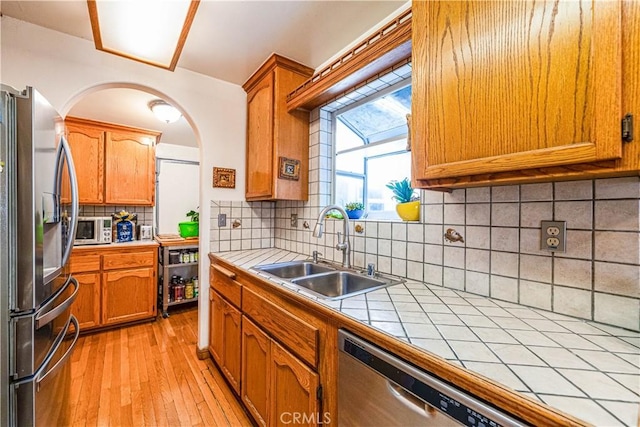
[(177, 157)]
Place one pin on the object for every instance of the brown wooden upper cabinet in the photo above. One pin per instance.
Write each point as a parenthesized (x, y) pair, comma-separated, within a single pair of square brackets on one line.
[(87, 147), (115, 164), (274, 135), (507, 92)]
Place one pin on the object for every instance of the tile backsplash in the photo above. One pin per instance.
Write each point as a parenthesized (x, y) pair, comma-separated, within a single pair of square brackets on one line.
[(145, 213), (597, 278), (249, 225)]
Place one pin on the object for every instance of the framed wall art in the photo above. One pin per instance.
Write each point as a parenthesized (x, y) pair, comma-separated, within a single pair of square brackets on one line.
[(289, 169), (224, 177)]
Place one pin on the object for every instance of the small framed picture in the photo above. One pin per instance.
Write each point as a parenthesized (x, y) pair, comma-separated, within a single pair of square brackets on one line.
[(223, 177), (289, 169)]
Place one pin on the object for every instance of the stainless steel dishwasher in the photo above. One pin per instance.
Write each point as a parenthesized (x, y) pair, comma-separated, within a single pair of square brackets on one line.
[(376, 388)]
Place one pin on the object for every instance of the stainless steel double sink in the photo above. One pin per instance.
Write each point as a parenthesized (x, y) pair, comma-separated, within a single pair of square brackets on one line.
[(327, 281)]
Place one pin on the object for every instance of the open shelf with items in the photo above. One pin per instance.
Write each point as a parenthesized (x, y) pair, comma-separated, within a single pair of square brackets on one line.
[(178, 261)]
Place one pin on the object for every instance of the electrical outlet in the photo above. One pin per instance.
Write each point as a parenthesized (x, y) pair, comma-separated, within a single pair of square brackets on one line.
[(222, 220), (553, 236), (294, 220)]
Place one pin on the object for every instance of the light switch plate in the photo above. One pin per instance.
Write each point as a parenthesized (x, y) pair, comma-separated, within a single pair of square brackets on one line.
[(222, 220), (553, 236), (294, 220)]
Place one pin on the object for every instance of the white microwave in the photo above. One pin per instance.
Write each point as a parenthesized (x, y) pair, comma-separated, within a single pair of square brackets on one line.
[(94, 230)]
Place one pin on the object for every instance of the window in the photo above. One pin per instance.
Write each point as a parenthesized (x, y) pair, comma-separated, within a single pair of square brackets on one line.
[(370, 144)]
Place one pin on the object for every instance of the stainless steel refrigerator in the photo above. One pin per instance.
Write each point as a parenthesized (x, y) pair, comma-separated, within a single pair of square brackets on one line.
[(37, 228)]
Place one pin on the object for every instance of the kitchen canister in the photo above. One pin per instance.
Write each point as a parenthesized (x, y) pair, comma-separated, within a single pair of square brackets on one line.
[(124, 225), (174, 257), (188, 290)]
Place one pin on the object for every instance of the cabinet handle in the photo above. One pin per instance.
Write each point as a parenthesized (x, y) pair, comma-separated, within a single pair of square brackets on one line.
[(230, 274)]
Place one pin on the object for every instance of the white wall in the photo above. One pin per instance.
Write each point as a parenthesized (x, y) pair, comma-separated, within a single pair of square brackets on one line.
[(63, 68), (178, 186), (178, 152)]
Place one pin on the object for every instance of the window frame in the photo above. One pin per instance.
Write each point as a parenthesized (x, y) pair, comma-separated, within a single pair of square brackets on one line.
[(334, 118)]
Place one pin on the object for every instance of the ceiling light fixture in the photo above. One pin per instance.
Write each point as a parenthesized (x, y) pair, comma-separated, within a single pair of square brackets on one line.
[(164, 111), (153, 32)]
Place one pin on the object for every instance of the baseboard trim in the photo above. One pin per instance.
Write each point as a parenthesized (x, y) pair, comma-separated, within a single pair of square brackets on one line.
[(202, 353)]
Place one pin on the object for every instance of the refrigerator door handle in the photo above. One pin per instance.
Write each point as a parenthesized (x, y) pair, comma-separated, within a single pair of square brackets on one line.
[(39, 375), (63, 148), (52, 313)]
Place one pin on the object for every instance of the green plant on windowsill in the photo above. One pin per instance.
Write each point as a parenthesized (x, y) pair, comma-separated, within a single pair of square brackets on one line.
[(402, 191), (354, 210), (408, 207)]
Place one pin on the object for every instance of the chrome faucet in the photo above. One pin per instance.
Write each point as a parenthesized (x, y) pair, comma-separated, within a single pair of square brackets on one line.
[(342, 245)]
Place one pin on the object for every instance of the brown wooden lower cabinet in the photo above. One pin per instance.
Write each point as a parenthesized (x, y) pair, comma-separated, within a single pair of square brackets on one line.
[(117, 285), (231, 325), (256, 358), (86, 307), (269, 350), (128, 295), (293, 398), (224, 337), (215, 316), (277, 388)]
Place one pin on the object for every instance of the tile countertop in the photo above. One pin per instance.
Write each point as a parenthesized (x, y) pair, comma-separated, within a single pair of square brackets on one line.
[(586, 369)]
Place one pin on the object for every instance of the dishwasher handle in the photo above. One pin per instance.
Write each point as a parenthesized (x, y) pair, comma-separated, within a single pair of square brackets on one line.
[(414, 403)]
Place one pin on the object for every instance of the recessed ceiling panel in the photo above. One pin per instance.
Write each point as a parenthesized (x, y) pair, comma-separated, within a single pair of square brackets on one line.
[(148, 31)]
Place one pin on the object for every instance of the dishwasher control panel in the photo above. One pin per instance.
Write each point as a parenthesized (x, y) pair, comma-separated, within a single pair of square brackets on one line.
[(420, 389)]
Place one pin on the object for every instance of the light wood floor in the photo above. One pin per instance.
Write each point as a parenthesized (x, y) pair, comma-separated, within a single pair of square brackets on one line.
[(149, 375)]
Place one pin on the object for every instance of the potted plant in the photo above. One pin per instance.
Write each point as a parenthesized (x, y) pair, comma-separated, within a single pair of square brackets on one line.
[(190, 228), (408, 207), (354, 210)]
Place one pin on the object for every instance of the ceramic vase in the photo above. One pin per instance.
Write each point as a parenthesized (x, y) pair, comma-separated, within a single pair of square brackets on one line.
[(409, 211), (355, 214)]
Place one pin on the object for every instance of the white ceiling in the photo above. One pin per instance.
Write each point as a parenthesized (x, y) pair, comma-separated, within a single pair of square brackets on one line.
[(228, 40), (107, 106)]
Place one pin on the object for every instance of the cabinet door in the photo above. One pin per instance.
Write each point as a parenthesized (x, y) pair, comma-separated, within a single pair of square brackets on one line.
[(215, 326), (86, 307), (130, 169), (260, 140), (128, 295), (87, 149), (256, 370), (290, 137), (232, 337), (293, 390), (504, 86)]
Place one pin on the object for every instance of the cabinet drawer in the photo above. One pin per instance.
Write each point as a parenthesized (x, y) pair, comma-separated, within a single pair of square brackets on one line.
[(81, 263), (222, 280), (300, 337), (126, 260)]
